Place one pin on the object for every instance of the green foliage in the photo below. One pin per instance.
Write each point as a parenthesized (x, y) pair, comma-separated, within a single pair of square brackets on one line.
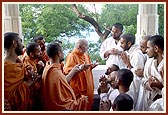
[(67, 45), (94, 52), (29, 16), (130, 29), (58, 21), (122, 13), (51, 21), (161, 19)]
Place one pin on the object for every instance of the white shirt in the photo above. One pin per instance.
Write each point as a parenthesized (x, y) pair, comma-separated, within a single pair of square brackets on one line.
[(150, 69), (110, 95), (109, 44), (137, 61), (158, 105)]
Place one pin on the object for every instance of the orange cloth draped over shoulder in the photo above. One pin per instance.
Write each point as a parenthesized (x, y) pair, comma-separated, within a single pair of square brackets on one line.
[(28, 62), (82, 83), (16, 89), (35, 94), (57, 93)]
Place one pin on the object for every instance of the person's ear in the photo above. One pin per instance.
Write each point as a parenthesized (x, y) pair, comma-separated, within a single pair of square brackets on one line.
[(129, 44), (32, 54), (156, 48), (59, 53), (14, 43), (119, 82)]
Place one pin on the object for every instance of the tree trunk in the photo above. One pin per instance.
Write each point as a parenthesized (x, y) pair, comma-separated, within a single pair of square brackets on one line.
[(102, 36)]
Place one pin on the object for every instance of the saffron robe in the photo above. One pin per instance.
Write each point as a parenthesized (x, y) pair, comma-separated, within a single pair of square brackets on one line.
[(32, 63), (36, 103), (82, 82), (16, 90), (57, 94), (43, 57)]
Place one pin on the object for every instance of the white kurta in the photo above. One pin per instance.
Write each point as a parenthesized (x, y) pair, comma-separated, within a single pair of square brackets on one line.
[(158, 105), (137, 60), (148, 96), (109, 44), (110, 95), (141, 96)]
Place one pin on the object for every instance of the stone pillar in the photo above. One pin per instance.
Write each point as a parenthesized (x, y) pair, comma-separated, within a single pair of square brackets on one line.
[(147, 21), (12, 20)]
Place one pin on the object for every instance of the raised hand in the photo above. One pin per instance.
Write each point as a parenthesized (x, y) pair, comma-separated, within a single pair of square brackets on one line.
[(153, 82), (28, 72), (105, 105), (113, 51), (84, 66), (102, 78), (126, 60)]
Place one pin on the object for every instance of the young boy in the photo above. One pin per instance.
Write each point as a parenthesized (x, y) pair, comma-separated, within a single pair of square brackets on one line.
[(123, 102)]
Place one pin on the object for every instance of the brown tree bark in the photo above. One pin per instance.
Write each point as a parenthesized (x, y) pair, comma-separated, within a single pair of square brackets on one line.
[(92, 21)]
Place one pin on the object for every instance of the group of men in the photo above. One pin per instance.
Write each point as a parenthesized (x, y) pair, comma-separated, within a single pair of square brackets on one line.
[(39, 80), (145, 61)]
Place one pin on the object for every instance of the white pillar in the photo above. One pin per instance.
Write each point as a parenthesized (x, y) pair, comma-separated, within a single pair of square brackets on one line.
[(147, 21), (12, 20)]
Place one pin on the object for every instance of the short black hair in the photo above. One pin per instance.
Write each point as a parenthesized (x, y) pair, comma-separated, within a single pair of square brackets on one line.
[(8, 39), (118, 25), (36, 38), (31, 47), (128, 37), (123, 102), (116, 67), (53, 49), (58, 41), (157, 40), (126, 76)]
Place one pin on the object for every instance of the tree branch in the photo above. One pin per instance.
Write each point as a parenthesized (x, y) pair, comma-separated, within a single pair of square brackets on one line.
[(104, 35)]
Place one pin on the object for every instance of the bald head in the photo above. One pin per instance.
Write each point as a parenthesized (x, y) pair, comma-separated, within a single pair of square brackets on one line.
[(143, 43), (80, 42), (82, 45)]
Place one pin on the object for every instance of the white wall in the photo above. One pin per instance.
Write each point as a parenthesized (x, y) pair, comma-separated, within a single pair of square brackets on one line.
[(97, 72)]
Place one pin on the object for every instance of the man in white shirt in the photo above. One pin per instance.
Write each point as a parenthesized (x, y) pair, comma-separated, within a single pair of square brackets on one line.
[(143, 72), (134, 59), (120, 83), (154, 80), (108, 91), (143, 47), (110, 49)]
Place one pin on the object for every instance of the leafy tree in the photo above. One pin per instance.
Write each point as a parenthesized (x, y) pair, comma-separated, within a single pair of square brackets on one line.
[(122, 13), (51, 21), (62, 21), (161, 19), (111, 13), (29, 14), (94, 52)]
